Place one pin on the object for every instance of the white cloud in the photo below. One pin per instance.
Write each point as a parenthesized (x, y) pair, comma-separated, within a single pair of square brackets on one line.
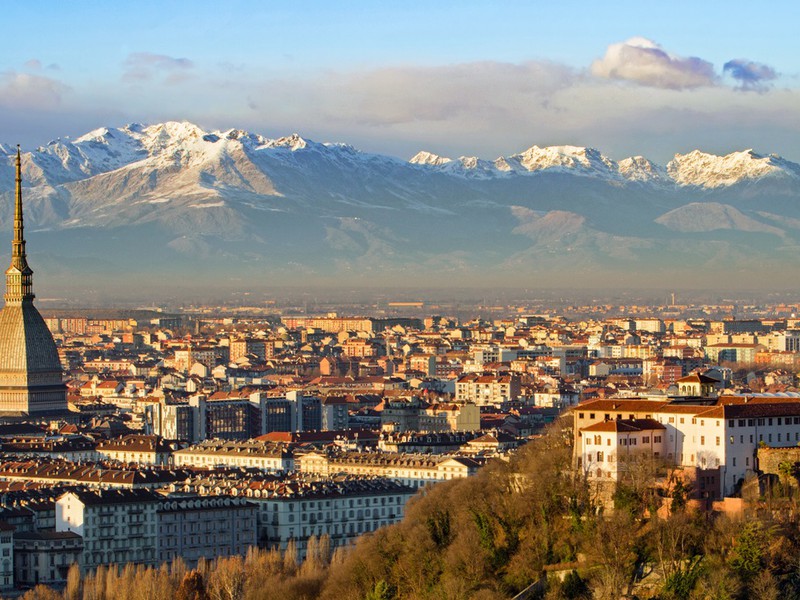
[(146, 66), (27, 91), (644, 62)]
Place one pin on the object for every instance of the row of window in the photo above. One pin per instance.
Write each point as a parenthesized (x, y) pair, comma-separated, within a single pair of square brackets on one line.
[(752, 422), (598, 441)]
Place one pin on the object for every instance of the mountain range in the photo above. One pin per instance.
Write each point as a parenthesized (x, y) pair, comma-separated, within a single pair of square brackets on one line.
[(171, 206)]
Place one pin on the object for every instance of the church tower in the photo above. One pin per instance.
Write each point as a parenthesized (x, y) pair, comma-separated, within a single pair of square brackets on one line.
[(31, 381)]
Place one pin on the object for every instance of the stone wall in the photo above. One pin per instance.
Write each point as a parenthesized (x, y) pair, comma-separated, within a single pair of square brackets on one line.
[(769, 459)]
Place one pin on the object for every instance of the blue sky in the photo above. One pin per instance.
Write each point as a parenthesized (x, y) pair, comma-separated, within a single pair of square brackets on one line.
[(456, 78)]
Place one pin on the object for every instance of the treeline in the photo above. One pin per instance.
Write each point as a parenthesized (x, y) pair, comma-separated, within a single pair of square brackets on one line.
[(532, 523)]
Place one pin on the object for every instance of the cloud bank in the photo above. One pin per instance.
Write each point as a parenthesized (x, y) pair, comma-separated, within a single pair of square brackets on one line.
[(637, 98)]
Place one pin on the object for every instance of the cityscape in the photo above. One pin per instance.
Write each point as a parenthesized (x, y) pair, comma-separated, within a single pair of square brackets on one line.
[(247, 366)]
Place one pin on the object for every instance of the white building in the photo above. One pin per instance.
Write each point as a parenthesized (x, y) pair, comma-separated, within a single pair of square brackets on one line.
[(117, 526), (610, 447), (719, 437)]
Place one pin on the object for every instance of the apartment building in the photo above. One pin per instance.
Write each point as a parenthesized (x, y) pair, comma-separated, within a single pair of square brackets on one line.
[(413, 470), (117, 526), (257, 454), (719, 436), (487, 390)]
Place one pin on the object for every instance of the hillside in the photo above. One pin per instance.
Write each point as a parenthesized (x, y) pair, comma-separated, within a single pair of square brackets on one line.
[(515, 524)]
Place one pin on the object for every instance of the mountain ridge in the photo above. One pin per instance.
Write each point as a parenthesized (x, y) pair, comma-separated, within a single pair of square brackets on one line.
[(173, 200)]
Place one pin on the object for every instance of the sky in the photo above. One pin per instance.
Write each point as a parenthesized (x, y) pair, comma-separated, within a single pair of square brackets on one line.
[(464, 78)]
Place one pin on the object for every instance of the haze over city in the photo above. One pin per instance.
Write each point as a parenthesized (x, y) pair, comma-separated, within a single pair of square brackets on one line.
[(598, 148)]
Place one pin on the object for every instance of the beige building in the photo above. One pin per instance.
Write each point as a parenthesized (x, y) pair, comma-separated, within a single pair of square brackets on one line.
[(486, 390), (413, 470), (254, 454)]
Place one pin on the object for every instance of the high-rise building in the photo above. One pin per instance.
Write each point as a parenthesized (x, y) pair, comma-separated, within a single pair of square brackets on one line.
[(31, 381)]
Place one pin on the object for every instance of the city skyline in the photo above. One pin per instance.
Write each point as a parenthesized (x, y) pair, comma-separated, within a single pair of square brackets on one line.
[(455, 80)]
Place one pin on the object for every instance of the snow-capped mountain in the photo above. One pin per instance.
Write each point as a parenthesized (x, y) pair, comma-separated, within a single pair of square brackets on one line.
[(710, 171), (695, 168), (175, 200)]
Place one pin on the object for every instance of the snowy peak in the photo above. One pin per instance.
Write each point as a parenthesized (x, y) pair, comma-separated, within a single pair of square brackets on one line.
[(638, 168), (293, 142), (469, 166), (710, 171), (429, 159), (573, 158)]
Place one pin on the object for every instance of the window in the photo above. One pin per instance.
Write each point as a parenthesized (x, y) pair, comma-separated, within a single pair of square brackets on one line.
[(731, 423), (702, 440), (580, 415), (734, 461), (646, 439), (599, 457), (717, 440), (591, 416), (656, 439)]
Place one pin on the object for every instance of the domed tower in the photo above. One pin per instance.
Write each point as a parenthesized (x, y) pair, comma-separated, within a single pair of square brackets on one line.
[(31, 378)]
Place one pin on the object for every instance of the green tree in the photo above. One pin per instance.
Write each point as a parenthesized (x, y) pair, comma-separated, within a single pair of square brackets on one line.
[(747, 555)]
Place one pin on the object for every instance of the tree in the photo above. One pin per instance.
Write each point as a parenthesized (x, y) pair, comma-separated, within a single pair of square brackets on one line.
[(41, 592), (226, 580), (74, 587), (192, 587), (748, 551), (613, 545)]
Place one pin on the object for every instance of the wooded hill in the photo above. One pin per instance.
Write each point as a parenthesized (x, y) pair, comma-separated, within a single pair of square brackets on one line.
[(531, 519)]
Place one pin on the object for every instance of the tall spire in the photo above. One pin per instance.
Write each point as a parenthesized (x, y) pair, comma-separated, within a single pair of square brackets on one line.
[(19, 280)]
